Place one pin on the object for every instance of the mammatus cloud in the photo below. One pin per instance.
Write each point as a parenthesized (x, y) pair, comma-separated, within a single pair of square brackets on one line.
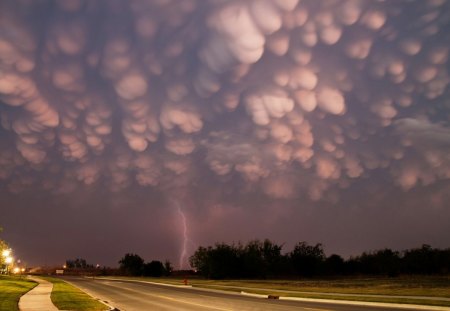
[(296, 98)]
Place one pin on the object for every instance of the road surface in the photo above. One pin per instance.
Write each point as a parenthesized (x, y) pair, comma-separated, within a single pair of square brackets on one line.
[(131, 296)]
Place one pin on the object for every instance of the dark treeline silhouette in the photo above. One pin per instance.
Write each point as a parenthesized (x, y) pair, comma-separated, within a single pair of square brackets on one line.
[(133, 264), (265, 259), (78, 263)]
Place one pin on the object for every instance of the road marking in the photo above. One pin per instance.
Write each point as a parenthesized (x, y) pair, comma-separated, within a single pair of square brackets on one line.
[(192, 303)]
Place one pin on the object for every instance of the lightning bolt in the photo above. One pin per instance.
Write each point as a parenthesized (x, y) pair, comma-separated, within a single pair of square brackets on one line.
[(185, 237)]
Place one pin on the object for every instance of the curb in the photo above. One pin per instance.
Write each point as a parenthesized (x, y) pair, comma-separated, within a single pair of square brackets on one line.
[(254, 295), (111, 308), (368, 303), (349, 302), (148, 282), (166, 284)]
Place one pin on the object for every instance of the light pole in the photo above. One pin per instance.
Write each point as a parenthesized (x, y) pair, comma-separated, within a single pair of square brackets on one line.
[(8, 259)]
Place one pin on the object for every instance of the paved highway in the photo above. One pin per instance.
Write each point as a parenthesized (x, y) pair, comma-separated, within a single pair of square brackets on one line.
[(130, 296)]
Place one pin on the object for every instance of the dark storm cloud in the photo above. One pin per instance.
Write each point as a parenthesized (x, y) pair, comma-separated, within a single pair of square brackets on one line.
[(290, 99)]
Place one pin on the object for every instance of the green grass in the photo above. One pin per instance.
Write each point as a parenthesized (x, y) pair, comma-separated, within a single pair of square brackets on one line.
[(67, 297), (402, 286), (11, 289), (428, 286)]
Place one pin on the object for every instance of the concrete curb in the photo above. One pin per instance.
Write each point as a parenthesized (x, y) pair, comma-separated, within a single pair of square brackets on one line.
[(347, 296), (349, 302), (367, 303), (168, 285), (254, 295), (141, 281)]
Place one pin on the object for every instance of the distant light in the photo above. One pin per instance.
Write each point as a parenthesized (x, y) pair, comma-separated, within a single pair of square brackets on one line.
[(9, 260), (64, 266), (16, 270), (6, 253), (22, 270)]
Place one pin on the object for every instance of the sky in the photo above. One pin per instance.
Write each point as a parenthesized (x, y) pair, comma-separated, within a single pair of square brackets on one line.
[(154, 127)]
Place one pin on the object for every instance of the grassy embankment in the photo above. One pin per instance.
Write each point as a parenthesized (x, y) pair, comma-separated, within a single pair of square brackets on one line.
[(356, 289), (11, 289), (67, 297)]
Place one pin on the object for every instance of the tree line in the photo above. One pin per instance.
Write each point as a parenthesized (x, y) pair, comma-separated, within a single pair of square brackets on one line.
[(134, 265), (265, 259), (130, 264), (78, 263)]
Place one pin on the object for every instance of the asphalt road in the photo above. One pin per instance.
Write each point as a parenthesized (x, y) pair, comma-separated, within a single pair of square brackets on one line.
[(130, 296)]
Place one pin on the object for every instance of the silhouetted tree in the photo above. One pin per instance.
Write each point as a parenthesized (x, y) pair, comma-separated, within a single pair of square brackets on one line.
[(381, 262), (167, 268), (388, 262), (78, 263), (252, 264), (306, 259), (351, 266), (154, 268), (224, 262), (201, 260), (334, 265), (424, 260), (131, 264), (274, 260), (259, 259)]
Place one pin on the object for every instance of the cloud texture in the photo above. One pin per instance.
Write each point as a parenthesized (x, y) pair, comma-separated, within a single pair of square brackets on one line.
[(294, 97), (288, 99)]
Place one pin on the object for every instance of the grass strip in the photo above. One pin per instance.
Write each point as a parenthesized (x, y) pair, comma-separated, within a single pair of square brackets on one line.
[(11, 289), (405, 286), (426, 302), (68, 297)]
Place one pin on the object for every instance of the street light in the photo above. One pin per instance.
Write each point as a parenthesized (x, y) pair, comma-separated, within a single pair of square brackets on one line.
[(6, 253)]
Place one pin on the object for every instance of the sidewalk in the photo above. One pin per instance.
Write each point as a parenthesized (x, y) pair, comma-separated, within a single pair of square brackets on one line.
[(38, 299)]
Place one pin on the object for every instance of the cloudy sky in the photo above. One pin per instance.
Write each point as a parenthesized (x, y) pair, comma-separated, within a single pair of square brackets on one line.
[(161, 125)]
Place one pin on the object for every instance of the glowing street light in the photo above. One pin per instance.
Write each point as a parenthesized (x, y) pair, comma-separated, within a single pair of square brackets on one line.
[(6, 253), (8, 259)]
